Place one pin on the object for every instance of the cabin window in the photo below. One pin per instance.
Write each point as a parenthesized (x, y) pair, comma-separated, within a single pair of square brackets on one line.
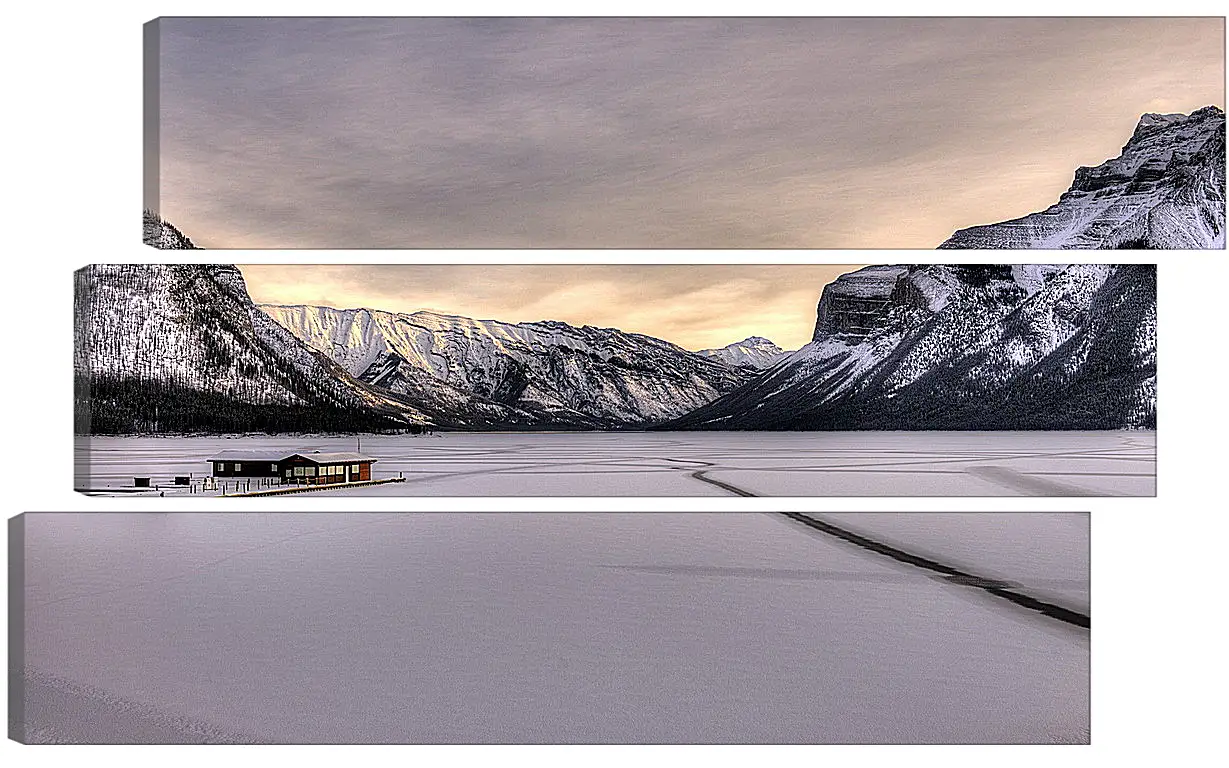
[(300, 471), (219, 467), (311, 471), (238, 466), (273, 468), (354, 468), (289, 472)]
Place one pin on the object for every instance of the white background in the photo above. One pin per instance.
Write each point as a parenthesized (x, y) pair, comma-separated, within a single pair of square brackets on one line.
[(72, 130)]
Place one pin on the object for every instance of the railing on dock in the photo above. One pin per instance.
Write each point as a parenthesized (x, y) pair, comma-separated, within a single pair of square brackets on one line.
[(316, 487)]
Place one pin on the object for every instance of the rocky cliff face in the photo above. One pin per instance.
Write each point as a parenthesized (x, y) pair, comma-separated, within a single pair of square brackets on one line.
[(182, 348), (549, 374), (163, 234), (964, 347), (1166, 190), (853, 305)]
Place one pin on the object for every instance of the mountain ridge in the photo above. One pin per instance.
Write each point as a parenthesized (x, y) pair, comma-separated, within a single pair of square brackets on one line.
[(163, 235), (565, 374), (964, 347), (181, 347), (1165, 190)]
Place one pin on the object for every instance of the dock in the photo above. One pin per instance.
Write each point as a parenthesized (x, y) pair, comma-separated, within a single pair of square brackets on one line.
[(310, 488)]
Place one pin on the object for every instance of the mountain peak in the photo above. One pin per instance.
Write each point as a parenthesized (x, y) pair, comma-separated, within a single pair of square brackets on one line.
[(1211, 111), (754, 341), (753, 352), (1165, 190), (1154, 122), (1150, 121)]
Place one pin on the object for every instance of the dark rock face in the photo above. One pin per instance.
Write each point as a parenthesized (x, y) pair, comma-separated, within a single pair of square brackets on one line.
[(968, 347), (852, 305), (163, 234), (1165, 191), (182, 348)]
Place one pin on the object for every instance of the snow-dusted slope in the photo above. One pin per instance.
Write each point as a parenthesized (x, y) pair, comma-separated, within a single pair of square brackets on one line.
[(754, 353), (549, 372), (163, 347), (163, 234), (1166, 190), (964, 347)]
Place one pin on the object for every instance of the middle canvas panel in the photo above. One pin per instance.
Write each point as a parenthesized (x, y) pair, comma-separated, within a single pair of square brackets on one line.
[(615, 379)]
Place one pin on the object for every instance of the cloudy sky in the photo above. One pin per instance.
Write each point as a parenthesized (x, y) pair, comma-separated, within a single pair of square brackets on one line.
[(359, 133), (693, 305)]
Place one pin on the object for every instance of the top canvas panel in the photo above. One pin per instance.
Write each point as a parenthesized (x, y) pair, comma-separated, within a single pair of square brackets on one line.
[(685, 133)]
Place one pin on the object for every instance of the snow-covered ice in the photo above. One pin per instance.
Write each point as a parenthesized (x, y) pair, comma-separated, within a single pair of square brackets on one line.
[(681, 463), (541, 627)]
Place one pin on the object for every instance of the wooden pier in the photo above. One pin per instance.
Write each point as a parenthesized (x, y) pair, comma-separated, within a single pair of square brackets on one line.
[(310, 488)]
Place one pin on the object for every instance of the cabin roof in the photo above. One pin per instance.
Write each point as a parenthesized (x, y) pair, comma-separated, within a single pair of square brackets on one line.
[(230, 455), (341, 457)]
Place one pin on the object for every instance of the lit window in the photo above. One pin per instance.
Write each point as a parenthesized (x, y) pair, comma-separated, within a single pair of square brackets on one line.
[(238, 466), (354, 468)]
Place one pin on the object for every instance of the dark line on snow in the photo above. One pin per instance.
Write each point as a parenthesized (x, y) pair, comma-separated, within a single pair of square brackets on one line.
[(995, 587), (734, 489)]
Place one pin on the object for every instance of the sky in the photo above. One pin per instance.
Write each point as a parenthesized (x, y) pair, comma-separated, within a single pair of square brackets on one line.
[(649, 132), (696, 306)]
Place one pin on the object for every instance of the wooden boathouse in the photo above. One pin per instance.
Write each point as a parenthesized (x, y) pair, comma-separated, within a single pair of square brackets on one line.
[(300, 468)]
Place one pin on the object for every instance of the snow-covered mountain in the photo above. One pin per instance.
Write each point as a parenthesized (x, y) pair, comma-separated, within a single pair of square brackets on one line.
[(170, 348), (467, 372), (1166, 190), (753, 353), (163, 234), (964, 347), (176, 348)]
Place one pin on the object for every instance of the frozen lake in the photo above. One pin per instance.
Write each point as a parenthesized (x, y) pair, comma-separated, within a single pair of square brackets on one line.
[(682, 463), (541, 627)]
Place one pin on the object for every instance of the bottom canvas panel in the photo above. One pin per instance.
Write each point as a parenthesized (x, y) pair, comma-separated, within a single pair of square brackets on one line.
[(518, 627)]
